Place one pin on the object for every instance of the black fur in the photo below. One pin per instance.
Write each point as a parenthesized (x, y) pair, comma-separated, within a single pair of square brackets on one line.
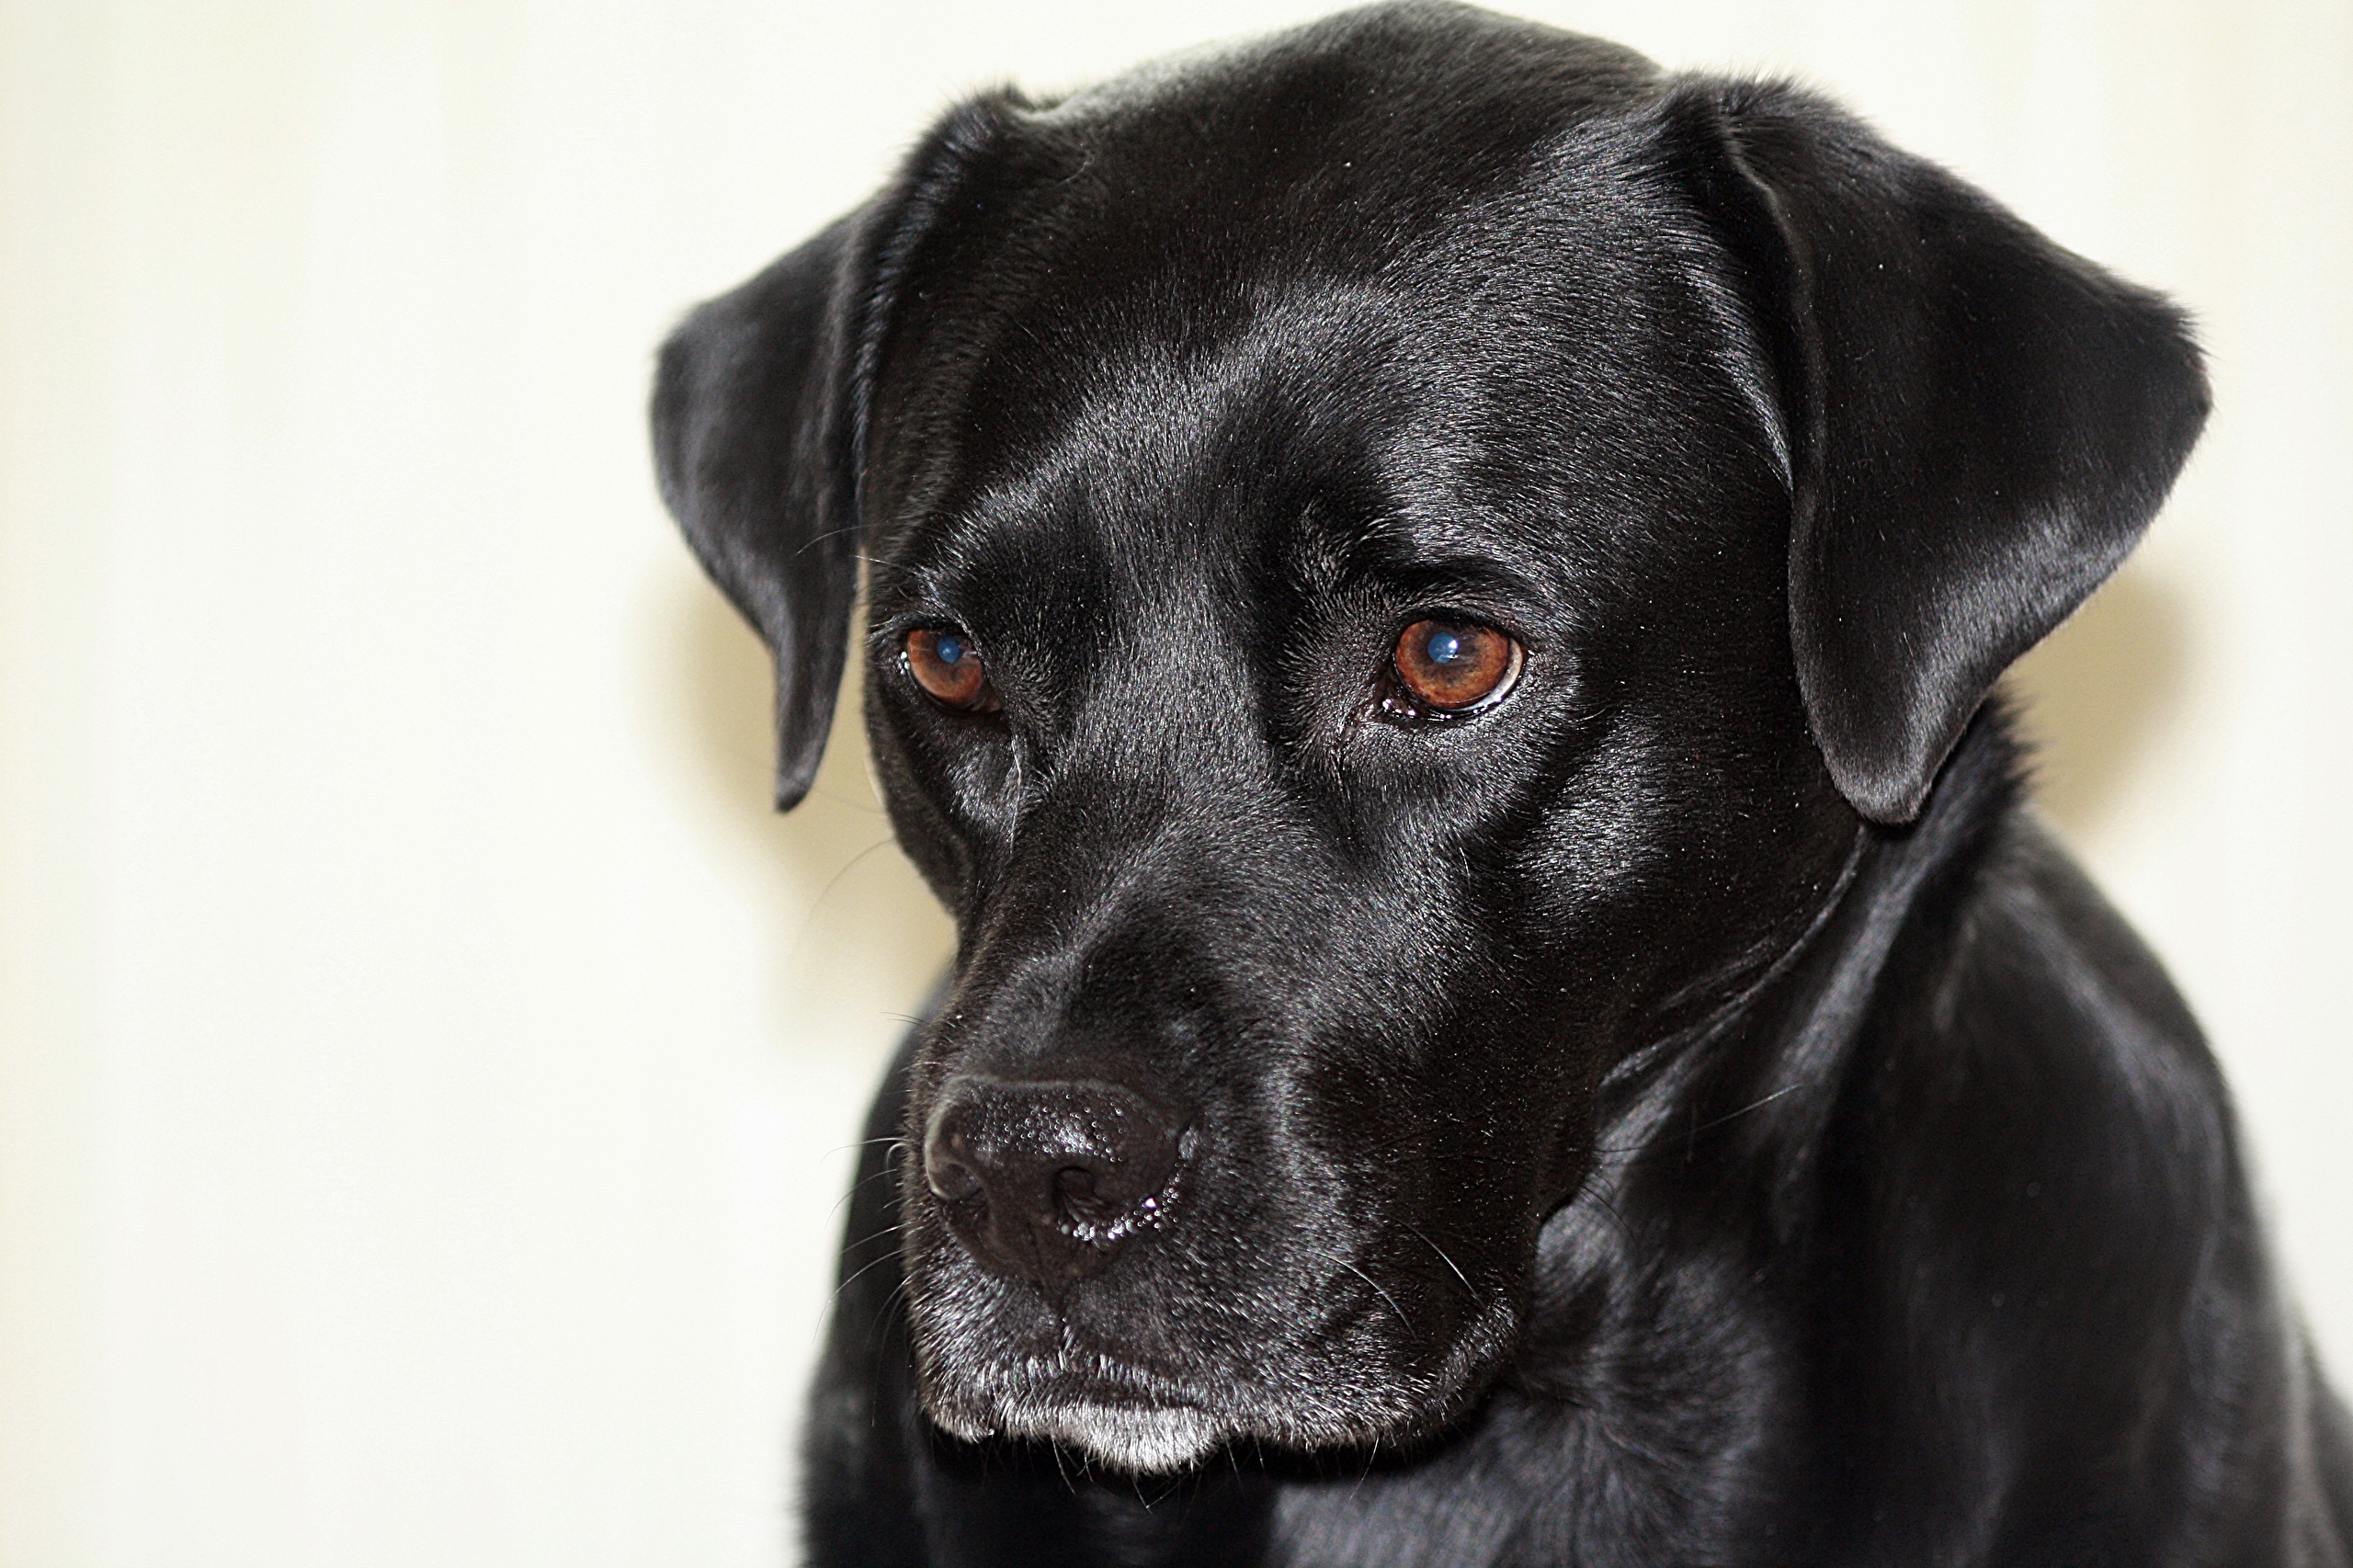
[(1684, 1112)]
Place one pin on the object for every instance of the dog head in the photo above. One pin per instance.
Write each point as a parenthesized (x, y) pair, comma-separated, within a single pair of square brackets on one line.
[(1400, 561)]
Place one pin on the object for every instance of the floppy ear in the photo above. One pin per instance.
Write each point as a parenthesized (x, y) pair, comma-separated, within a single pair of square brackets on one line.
[(760, 403), (1979, 422), (752, 442)]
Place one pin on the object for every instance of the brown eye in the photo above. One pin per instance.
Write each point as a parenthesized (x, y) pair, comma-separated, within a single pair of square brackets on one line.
[(946, 665), (1452, 666)]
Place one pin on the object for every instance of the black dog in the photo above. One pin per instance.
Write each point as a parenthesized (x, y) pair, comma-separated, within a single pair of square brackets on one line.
[(1432, 597)]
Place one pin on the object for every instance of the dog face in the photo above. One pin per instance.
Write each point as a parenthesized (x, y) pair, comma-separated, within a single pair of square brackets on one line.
[(1400, 563), (1365, 954)]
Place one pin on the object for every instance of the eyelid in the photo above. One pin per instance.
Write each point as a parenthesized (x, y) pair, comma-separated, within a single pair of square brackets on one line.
[(1477, 611), (1436, 582)]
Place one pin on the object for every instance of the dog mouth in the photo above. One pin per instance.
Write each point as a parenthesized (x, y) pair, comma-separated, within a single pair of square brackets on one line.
[(1208, 1318), (1127, 1417)]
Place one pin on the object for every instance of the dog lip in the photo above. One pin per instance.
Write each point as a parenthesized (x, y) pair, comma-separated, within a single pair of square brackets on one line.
[(1071, 1377), (1099, 1375)]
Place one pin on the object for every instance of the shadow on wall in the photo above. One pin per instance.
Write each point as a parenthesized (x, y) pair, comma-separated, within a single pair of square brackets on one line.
[(2098, 693), (851, 929)]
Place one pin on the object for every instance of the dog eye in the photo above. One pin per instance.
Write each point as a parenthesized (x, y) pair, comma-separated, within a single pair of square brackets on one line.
[(1452, 666), (944, 662)]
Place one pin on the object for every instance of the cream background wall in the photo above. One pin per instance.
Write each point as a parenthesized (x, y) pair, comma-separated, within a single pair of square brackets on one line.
[(426, 1070)]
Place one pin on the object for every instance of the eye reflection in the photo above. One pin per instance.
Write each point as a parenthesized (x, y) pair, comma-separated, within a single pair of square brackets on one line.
[(1455, 667), (944, 663)]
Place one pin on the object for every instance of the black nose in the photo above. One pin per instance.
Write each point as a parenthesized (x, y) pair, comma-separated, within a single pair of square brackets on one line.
[(1047, 1179)]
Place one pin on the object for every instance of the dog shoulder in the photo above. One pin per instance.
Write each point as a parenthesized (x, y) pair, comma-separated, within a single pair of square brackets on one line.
[(2036, 1062), (2067, 1252)]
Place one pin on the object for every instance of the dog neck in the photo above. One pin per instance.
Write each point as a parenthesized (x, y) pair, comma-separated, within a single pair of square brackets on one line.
[(1656, 1282)]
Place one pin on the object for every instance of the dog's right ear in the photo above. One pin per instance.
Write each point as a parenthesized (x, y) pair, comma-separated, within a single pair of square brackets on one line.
[(752, 442), (760, 404)]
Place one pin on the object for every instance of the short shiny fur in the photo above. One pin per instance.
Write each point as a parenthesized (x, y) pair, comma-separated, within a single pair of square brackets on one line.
[(1684, 1111)]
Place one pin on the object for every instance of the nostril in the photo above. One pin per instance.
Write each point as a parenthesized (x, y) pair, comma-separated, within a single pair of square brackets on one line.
[(951, 1177), (1084, 1200)]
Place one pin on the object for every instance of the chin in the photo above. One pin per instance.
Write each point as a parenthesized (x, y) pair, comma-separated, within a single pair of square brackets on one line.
[(1138, 1439), (1123, 1417)]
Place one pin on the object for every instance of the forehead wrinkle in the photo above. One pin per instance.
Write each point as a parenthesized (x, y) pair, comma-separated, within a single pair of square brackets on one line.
[(1160, 472), (1431, 523)]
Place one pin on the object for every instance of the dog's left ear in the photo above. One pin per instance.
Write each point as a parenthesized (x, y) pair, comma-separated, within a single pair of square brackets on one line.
[(760, 404), (1980, 424)]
